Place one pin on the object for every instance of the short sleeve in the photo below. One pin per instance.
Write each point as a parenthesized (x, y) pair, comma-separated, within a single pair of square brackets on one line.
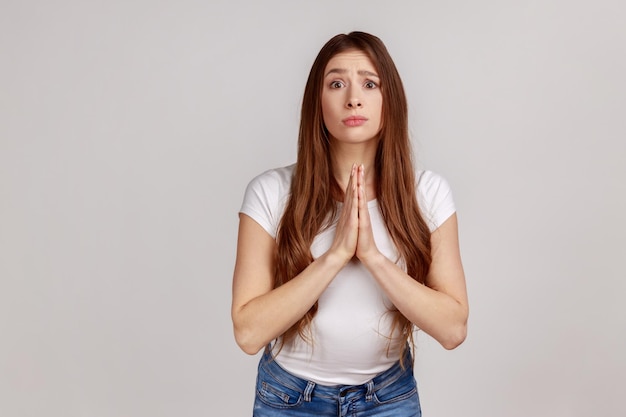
[(265, 198), (435, 198)]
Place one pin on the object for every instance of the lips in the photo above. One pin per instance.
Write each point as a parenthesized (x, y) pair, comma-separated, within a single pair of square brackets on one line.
[(354, 121)]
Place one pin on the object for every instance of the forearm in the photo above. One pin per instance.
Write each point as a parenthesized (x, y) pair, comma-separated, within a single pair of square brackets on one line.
[(266, 317), (436, 313)]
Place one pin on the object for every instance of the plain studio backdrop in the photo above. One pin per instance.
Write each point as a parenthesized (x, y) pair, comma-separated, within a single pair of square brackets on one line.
[(129, 130)]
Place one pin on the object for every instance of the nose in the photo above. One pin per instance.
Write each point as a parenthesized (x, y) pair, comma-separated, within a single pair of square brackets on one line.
[(354, 103)]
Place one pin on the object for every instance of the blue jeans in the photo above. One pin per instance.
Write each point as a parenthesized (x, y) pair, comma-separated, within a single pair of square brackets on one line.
[(392, 393)]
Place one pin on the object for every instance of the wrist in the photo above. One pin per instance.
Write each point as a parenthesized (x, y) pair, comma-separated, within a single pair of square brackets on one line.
[(373, 260), (335, 260)]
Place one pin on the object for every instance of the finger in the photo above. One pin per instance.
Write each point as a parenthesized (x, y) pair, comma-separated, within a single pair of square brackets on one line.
[(351, 181), (361, 186), (350, 206), (358, 176), (361, 179), (354, 192), (365, 244), (347, 230), (364, 214)]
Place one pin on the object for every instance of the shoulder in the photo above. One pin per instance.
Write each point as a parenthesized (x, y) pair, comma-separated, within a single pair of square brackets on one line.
[(276, 179), (430, 183), (266, 196), (434, 196)]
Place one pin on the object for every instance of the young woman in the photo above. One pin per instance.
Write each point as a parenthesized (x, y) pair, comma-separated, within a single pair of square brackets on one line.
[(343, 254)]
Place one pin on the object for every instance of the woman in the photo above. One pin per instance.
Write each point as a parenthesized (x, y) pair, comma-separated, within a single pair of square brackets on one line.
[(341, 255)]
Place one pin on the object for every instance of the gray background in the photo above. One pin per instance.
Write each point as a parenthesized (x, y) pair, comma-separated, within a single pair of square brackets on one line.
[(129, 130)]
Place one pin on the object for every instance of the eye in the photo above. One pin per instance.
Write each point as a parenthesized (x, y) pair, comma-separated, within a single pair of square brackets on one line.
[(336, 84), (370, 84)]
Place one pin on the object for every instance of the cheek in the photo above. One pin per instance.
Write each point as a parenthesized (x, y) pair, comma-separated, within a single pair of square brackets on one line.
[(379, 108), (327, 109), (379, 113)]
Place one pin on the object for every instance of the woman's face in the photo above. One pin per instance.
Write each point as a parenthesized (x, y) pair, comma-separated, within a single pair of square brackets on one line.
[(351, 98)]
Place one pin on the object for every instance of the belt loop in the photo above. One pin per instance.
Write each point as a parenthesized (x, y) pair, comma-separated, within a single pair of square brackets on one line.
[(370, 390), (308, 391)]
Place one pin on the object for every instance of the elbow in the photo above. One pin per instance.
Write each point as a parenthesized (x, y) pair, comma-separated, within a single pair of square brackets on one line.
[(455, 337), (249, 349), (247, 342), (246, 334), (457, 332)]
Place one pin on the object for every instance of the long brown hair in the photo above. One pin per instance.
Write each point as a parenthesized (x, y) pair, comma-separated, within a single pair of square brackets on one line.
[(314, 190)]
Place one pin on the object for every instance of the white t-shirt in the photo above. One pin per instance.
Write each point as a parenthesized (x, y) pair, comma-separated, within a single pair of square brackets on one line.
[(352, 326)]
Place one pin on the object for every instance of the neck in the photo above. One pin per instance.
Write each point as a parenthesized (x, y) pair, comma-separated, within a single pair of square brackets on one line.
[(343, 156)]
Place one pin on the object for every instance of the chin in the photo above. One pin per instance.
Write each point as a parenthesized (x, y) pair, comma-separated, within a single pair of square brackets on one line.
[(356, 139)]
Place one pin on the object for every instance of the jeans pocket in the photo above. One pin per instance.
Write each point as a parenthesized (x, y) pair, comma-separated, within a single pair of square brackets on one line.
[(275, 394), (399, 390)]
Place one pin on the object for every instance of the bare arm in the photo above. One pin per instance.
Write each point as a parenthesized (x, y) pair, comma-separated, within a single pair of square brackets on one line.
[(260, 313), (440, 308)]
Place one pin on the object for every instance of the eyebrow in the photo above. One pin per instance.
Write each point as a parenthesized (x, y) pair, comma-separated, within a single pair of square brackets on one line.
[(343, 71)]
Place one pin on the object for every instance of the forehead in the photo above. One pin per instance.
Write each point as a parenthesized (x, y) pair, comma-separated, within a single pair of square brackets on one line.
[(352, 59)]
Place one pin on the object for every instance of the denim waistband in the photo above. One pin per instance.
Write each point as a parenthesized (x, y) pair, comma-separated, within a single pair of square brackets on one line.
[(385, 378)]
